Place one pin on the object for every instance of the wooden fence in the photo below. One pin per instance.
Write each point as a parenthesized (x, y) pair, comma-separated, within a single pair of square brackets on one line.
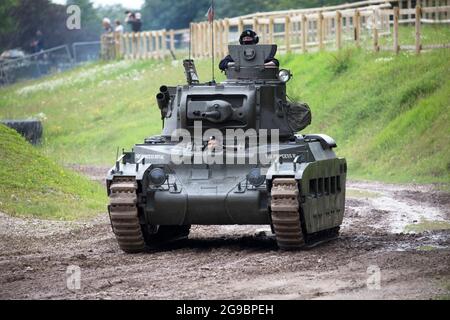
[(328, 28)]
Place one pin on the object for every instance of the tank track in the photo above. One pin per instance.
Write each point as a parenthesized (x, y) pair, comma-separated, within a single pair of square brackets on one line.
[(124, 217), (285, 214), (286, 220)]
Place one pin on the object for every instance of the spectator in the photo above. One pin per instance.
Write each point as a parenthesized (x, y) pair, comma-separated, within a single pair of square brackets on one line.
[(119, 27), (107, 25), (134, 20), (37, 45)]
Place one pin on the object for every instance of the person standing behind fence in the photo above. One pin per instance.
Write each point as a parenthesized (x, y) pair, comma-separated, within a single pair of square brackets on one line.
[(119, 27), (134, 20), (107, 25), (108, 40), (37, 45)]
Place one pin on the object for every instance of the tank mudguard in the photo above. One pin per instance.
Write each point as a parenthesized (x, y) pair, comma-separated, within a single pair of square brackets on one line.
[(322, 193)]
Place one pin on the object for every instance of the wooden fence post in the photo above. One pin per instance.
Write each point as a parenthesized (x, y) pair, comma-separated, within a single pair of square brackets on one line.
[(255, 24), (165, 43), (240, 26), (409, 6), (218, 37), (118, 43), (144, 45), (271, 23), (207, 39), (133, 46), (356, 26), (152, 46), (227, 36), (418, 15), (126, 48), (320, 29), (196, 41), (395, 35), (157, 45), (172, 40), (287, 32), (304, 33), (148, 40), (338, 30), (375, 32), (215, 34), (203, 39), (141, 45)]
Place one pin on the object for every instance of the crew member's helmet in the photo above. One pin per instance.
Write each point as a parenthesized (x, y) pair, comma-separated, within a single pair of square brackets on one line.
[(248, 37)]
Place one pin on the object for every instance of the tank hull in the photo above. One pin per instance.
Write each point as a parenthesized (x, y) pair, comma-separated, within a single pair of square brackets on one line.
[(220, 194)]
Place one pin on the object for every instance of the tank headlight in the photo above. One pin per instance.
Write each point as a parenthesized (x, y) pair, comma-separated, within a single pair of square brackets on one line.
[(157, 177), (255, 177), (284, 75)]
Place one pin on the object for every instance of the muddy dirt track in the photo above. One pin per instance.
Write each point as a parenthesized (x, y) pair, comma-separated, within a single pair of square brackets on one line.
[(241, 262)]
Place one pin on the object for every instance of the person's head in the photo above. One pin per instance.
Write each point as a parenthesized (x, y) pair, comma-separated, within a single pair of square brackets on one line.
[(106, 23), (118, 23), (248, 37), (39, 33)]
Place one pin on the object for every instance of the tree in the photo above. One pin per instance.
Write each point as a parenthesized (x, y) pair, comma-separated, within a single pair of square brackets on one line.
[(177, 14), (7, 22), (28, 16), (91, 23), (169, 14), (113, 12)]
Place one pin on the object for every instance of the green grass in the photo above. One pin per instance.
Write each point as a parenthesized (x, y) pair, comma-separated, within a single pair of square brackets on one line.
[(361, 194), (445, 284), (33, 185), (389, 114), (430, 34), (427, 225)]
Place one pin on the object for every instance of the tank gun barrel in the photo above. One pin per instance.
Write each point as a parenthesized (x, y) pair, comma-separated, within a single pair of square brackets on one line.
[(163, 98)]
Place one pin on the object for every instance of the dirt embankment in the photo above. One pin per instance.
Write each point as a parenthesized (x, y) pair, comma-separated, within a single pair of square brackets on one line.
[(242, 262)]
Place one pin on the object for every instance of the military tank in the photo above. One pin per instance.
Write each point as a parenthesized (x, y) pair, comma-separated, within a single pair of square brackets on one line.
[(163, 186)]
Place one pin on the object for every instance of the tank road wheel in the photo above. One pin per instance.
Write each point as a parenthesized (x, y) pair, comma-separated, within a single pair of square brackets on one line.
[(124, 215), (285, 214)]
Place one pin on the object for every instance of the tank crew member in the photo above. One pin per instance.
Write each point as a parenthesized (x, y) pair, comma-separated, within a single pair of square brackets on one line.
[(249, 37)]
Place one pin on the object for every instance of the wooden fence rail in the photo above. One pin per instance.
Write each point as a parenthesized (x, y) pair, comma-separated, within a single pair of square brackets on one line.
[(327, 28)]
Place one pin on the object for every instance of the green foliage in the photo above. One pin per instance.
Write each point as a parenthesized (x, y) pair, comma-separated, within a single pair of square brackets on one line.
[(427, 225), (7, 22), (113, 12), (31, 184), (178, 14), (158, 14), (340, 61), (90, 20), (389, 114), (20, 19)]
